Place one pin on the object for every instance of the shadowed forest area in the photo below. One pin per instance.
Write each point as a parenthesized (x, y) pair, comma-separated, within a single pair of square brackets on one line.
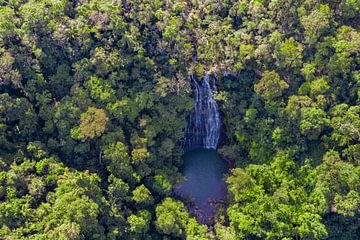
[(95, 95)]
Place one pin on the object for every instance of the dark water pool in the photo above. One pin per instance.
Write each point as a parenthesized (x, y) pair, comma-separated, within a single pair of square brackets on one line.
[(204, 171)]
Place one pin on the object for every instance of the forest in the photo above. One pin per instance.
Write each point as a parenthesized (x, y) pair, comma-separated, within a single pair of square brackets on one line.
[(95, 97)]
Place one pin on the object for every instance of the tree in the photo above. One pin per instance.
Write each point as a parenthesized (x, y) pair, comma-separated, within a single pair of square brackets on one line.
[(319, 87), (19, 116), (345, 122), (92, 124), (316, 23), (347, 40), (100, 90), (140, 223), (289, 54), (171, 217), (79, 198), (93, 103), (268, 202), (9, 75), (339, 181), (117, 154), (270, 86), (71, 208), (161, 184), (142, 196), (7, 22), (350, 8), (313, 121), (118, 190), (196, 231)]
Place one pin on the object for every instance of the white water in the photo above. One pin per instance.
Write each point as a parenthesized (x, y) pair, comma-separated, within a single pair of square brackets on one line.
[(203, 128)]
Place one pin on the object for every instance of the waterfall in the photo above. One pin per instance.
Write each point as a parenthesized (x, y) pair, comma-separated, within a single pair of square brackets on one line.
[(203, 128)]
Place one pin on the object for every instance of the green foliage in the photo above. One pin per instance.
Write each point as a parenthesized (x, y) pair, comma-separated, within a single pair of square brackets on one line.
[(7, 23), (319, 87), (140, 223), (141, 195), (94, 97), (270, 86), (350, 8), (92, 124), (196, 231), (70, 209), (119, 158), (171, 30), (171, 217), (100, 90), (345, 122), (290, 54), (316, 22), (161, 184), (118, 190), (313, 122), (340, 182), (269, 203), (347, 40)]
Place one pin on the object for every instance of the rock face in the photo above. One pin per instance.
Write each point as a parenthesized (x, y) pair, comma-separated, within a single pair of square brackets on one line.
[(203, 128)]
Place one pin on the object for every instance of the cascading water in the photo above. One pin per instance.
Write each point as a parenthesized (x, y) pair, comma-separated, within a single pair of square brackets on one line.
[(203, 128), (202, 167)]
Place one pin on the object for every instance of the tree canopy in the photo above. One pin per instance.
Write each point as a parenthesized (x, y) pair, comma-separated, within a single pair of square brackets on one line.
[(94, 97)]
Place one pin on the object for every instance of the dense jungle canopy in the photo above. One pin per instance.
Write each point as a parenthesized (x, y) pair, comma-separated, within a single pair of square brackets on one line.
[(94, 96)]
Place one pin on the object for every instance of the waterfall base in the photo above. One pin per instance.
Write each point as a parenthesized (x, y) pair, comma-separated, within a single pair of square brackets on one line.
[(204, 186)]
